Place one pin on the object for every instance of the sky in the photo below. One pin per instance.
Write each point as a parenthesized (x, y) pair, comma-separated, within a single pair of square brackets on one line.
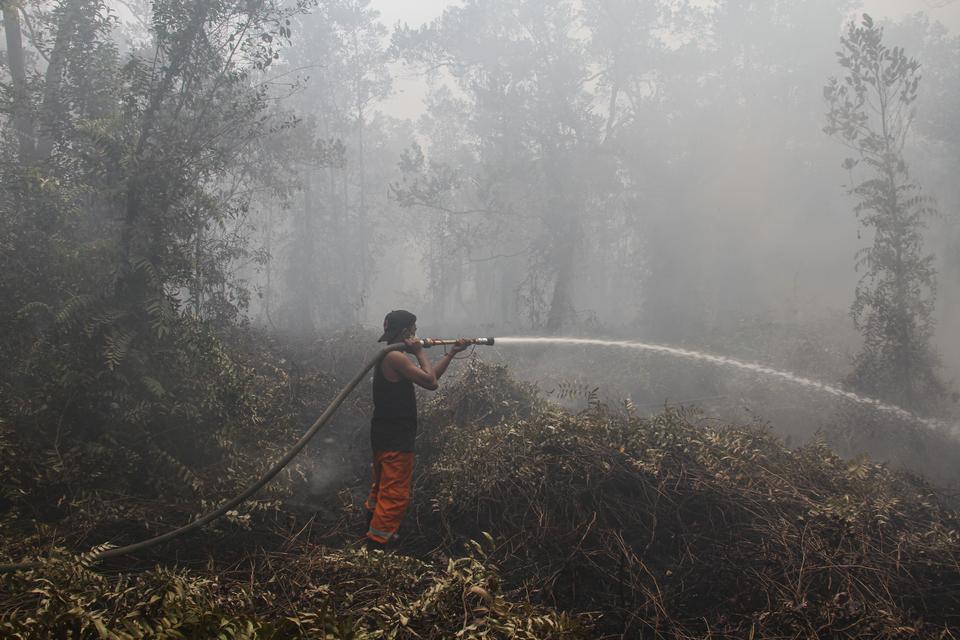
[(413, 12), (416, 12), (409, 89), (946, 11)]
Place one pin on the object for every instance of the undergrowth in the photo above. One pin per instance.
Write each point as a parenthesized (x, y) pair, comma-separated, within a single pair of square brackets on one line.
[(676, 528), (309, 592), (603, 523)]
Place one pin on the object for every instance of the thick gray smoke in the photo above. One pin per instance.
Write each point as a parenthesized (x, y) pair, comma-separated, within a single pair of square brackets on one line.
[(653, 171)]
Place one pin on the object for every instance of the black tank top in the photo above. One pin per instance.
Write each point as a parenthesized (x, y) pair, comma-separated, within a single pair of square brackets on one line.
[(394, 423)]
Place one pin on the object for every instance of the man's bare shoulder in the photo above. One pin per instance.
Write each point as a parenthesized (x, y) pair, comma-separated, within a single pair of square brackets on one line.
[(395, 362), (398, 357)]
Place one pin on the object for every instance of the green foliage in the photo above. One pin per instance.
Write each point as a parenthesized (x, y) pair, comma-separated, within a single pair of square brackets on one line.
[(870, 111), (131, 399), (482, 394), (113, 449), (126, 375)]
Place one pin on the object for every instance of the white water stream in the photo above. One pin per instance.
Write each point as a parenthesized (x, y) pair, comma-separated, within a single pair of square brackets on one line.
[(752, 367)]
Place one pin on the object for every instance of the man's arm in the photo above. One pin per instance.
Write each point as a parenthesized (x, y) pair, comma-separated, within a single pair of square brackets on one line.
[(426, 375), (448, 357), (402, 368)]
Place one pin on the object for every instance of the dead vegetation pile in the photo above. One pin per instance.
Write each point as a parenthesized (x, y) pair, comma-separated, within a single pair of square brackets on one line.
[(671, 528), (594, 524), (303, 592)]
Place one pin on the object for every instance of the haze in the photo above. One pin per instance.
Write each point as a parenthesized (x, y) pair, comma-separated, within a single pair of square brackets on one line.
[(688, 174)]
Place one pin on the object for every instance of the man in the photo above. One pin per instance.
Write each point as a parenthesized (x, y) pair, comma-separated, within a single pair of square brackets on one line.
[(393, 428)]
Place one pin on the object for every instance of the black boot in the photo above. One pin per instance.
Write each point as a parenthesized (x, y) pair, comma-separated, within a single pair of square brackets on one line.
[(373, 545)]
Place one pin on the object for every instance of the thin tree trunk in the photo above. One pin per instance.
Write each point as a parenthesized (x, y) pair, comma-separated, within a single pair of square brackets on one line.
[(22, 118), (902, 338), (561, 302), (361, 226), (564, 230), (180, 51), (564, 248)]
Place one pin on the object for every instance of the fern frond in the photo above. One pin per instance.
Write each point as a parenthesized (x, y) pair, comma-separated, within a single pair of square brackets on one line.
[(161, 314), (105, 318), (89, 558), (34, 308), (71, 311), (145, 266), (154, 386), (181, 470), (118, 344)]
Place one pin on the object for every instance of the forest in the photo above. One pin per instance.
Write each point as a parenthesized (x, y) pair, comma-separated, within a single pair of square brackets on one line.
[(716, 243)]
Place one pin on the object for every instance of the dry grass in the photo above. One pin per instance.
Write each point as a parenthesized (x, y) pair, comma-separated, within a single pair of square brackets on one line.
[(674, 529), (598, 524)]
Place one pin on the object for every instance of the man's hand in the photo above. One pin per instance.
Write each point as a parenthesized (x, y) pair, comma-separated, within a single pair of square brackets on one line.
[(414, 346), (461, 345), (427, 374)]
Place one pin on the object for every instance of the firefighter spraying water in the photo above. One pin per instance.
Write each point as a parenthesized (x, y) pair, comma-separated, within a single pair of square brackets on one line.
[(394, 423), (393, 429)]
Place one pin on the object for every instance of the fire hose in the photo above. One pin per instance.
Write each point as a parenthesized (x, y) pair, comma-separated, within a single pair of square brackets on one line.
[(255, 486)]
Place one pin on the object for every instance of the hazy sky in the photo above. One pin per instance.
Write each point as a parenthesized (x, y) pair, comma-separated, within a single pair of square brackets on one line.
[(413, 12), (946, 11), (416, 12), (409, 90)]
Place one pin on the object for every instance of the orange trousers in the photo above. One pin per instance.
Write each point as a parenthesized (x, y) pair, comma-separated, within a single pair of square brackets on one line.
[(389, 493)]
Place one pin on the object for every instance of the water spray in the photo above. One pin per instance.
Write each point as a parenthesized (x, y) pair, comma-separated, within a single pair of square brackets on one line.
[(753, 367)]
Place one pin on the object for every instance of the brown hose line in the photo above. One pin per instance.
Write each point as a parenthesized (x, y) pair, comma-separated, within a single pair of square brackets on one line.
[(249, 491)]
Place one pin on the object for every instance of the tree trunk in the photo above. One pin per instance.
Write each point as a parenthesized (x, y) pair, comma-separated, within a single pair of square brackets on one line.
[(563, 231), (361, 226), (564, 249), (22, 118), (561, 302), (50, 109), (902, 338), (180, 49)]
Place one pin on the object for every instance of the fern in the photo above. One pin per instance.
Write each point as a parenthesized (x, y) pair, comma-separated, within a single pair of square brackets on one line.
[(181, 470), (34, 308), (162, 315), (140, 413), (154, 386), (71, 311), (145, 266), (89, 558), (118, 344), (105, 318)]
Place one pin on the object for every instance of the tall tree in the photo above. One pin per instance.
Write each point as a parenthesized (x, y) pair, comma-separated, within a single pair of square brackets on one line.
[(101, 240), (328, 259), (526, 113), (870, 110)]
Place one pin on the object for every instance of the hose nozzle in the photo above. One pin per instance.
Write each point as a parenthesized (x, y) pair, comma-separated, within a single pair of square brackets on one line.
[(431, 342)]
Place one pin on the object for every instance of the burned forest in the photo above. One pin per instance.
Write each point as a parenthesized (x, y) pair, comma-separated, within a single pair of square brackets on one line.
[(430, 319)]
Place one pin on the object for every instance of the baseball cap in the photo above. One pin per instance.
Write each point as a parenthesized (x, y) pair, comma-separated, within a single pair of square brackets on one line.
[(395, 322)]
